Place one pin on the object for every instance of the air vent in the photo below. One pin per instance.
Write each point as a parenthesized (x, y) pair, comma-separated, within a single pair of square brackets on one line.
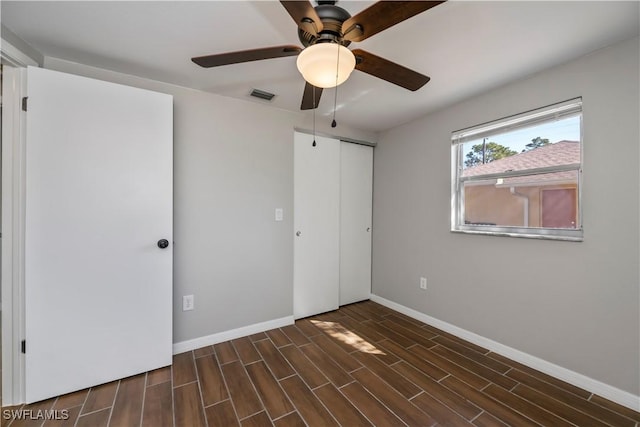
[(262, 94)]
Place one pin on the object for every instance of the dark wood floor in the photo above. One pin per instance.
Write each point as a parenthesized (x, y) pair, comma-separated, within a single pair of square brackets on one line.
[(359, 366)]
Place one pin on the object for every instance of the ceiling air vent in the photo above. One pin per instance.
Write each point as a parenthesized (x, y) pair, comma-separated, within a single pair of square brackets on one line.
[(262, 94)]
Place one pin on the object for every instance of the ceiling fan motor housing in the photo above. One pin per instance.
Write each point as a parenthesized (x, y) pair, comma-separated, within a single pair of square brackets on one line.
[(332, 17)]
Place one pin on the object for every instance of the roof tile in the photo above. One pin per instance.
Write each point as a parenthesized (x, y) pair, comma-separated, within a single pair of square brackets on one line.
[(556, 154)]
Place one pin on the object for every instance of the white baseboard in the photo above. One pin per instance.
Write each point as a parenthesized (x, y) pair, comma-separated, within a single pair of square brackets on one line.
[(188, 345), (594, 386)]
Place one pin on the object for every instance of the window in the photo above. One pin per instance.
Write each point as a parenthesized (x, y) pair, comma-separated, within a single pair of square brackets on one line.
[(521, 175)]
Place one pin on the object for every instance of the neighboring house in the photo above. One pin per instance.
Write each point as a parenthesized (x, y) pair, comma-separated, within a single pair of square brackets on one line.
[(541, 200)]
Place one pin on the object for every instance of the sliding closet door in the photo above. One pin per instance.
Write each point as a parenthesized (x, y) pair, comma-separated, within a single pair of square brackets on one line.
[(316, 225), (356, 184), (98, 234)]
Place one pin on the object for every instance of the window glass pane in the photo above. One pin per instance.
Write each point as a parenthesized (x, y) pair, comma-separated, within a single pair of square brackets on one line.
[(548, 200), (528, 119), (550, 144), (521, 175)]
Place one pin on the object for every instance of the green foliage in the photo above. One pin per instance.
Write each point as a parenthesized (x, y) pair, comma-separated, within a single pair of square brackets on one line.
[(536, 143), (492, 151)]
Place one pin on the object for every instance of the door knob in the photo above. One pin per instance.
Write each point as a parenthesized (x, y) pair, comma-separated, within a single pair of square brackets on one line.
[(298, 233), (368, 229), (163, 243)]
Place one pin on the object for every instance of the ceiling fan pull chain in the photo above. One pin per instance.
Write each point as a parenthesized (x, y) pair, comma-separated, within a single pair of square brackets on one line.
[(314, 117), (335, 96)]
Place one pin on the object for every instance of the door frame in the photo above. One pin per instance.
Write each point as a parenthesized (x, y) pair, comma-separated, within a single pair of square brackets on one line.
[(13, 216)]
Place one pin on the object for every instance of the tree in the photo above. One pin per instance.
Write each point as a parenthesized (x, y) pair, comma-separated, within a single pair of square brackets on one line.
[(492, 151), (536, 143)]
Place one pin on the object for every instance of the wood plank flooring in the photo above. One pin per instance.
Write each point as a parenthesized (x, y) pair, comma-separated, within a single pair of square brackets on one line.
[(362, 365)]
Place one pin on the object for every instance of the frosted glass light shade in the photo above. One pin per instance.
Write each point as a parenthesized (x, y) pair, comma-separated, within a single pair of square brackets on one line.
[(317, 64)]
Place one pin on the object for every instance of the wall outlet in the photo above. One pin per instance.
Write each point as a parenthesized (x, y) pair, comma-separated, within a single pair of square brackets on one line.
[(187, 303), (423, 283)]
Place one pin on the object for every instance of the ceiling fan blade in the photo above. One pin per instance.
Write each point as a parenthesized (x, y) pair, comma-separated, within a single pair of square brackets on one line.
[(310, 100), (389, 71), (382, 15), (209, 61), (304, 15)]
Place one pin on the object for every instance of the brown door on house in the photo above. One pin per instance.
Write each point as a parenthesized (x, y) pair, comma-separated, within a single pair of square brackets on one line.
[(559, 208)]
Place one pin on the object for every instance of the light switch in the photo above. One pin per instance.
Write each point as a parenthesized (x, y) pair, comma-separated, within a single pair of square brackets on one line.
[(279, 214), (187, 303)]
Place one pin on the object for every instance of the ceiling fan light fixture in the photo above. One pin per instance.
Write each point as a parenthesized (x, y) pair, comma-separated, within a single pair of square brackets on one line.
[(318, 64)]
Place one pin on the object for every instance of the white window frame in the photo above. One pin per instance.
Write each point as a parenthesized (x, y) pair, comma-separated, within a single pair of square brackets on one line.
[(549, 113)]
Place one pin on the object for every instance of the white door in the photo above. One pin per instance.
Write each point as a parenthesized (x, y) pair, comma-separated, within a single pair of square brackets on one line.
[(98, 288), (356, 176), (316, 203)]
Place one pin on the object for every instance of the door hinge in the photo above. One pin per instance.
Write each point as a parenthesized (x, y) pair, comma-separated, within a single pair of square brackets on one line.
[(24, 103), (23, 345)]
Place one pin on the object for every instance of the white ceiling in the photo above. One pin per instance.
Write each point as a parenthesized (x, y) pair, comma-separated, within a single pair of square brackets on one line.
[(466, 47)]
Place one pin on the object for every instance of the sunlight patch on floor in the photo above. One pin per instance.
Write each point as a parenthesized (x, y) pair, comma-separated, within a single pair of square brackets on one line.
[(339, 332)]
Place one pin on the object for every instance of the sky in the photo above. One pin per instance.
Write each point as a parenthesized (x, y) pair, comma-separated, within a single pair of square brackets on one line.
[(564, 129)]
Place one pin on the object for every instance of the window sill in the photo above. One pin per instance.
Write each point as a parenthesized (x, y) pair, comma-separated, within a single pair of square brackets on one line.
[(525, 235)]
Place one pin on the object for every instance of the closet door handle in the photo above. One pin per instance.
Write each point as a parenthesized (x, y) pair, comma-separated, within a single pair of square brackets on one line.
[(368, 229), (298, 233)]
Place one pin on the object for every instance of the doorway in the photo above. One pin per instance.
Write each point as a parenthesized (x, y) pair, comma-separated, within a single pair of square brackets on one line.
[(11, 204), (13, 64)]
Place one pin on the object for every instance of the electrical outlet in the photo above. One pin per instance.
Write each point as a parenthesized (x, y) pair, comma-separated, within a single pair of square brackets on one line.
[(187, 303), (423, 283)]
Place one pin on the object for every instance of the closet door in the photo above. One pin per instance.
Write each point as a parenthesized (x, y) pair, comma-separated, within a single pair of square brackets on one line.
[(356, 184), (316, 225)]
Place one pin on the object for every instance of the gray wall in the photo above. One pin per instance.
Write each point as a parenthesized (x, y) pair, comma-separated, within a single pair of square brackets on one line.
[(233, 165), (572, 304)]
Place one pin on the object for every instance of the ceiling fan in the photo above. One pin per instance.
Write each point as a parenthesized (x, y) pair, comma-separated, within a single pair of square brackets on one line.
[(325, 32)]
